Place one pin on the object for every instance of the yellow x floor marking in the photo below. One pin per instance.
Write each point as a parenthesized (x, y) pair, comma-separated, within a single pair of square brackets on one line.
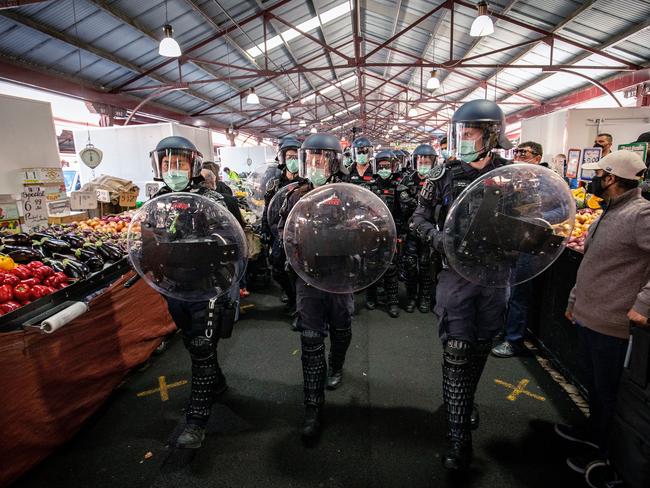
[(163, 388), (518, 390)]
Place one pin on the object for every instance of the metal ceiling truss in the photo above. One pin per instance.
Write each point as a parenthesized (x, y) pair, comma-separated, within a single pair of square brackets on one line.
[(378, 108)]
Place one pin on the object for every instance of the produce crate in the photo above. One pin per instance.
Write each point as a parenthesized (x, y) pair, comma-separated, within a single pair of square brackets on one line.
[(67, 219)]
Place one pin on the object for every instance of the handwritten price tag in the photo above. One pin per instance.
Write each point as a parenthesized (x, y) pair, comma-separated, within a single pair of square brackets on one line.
[(128, 199), (34, 207), (103, 196)]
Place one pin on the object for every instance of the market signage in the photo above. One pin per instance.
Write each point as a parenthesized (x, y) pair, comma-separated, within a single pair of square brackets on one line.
[(34, 207), (83, 200)]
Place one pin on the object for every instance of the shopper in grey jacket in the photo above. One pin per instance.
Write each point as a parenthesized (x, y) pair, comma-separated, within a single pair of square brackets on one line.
[(612, 290)]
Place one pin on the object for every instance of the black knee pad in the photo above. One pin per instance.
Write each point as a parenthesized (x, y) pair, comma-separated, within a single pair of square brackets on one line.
[(199, 347), (311, 340), (457, 352)]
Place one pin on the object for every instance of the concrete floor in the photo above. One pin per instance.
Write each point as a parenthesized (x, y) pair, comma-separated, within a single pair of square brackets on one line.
[(385, 426)]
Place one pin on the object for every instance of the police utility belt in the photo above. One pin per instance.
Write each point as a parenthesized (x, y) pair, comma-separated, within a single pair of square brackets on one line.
[(220, 318)]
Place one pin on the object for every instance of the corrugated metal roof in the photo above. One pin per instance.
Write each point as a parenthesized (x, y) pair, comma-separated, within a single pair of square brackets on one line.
[(122, 38)]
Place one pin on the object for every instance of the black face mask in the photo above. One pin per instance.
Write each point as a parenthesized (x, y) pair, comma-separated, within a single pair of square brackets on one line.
[(599, 145), (597, 187)]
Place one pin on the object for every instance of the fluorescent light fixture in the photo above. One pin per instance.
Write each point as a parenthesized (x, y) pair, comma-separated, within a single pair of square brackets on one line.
[(302, 123), (168, 45), (313, 130), (401, 120), (307, 26), (252, 98), (286, 115), (329, 117), (482, 25), (434, 82)]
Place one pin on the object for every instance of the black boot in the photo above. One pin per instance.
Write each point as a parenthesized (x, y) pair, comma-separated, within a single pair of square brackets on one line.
[(478, 357), (410, 305), (191, 437), (423, 306), (392, 291), (371, 297), (457, 393), (426, 280), (340, 342), (311, 425), (334, 378), (207, 379), (314, 369)]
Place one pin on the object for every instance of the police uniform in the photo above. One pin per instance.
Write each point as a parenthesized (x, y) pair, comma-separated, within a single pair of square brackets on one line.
[(367, 180), (469, 315), (416, 255), (386, 189), (319, 313), (278, 260)]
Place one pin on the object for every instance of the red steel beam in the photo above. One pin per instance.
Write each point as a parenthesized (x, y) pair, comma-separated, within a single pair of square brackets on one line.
[(199, 45), (52, 82), (4, 4), (445, 4), (544, 32), (617, 83)]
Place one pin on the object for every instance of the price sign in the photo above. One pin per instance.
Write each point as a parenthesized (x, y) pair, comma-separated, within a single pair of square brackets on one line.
[(589, 155), (103, 196), (34, 207), (151, 188), (59, 207), (83, 200), (128, 199), (573, 161), (641, 148)]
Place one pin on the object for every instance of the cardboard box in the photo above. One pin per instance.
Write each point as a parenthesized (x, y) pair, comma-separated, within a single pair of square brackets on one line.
[(67, 219)]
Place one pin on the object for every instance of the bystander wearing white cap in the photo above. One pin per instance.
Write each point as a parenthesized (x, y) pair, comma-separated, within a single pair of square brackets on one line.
[(624, 164)]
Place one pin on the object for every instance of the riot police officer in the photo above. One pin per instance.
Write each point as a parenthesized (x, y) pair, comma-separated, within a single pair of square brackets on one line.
[(319, 312), (363, 170), (288, 164), (417, 256), (385, 187), (177, 163), (469, 315)]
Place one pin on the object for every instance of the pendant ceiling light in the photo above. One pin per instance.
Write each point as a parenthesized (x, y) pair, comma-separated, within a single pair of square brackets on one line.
[(302, 123), (413, 112), (313, 130), (168, 45), (286, 115), (433, 83), (482, 25), (252, 98)]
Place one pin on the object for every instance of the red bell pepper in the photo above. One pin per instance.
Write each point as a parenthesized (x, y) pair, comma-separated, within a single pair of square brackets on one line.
[(9, 306), (42, 272), (22, 292), (23, 272), (35, 265), (30, 282), (9, 279), (39, 291), (6, 293)]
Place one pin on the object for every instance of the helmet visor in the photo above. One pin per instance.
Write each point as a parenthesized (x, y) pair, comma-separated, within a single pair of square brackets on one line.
[(471, 141), (318, 165), (176, 160)]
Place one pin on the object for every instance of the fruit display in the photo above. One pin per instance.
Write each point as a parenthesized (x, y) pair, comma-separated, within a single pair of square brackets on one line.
[(38, 264), (584, 218)]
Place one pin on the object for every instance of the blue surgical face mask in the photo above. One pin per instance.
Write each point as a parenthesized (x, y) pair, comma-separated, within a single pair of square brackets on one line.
[(292, 165), (468, 152), (445, 154), (424, 170), (177, 179), (384, 173), (317, 176), (362, 159)]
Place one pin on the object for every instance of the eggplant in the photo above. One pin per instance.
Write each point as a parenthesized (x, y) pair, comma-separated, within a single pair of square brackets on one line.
[(74, 269), (53, 245), (21, 239), (39, 236), (73, 240), (95, 264), (108, 251), (54, 264), (22, 255), (86, 253)]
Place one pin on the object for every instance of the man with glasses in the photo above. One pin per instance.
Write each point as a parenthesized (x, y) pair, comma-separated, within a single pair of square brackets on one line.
[(521, 295)]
